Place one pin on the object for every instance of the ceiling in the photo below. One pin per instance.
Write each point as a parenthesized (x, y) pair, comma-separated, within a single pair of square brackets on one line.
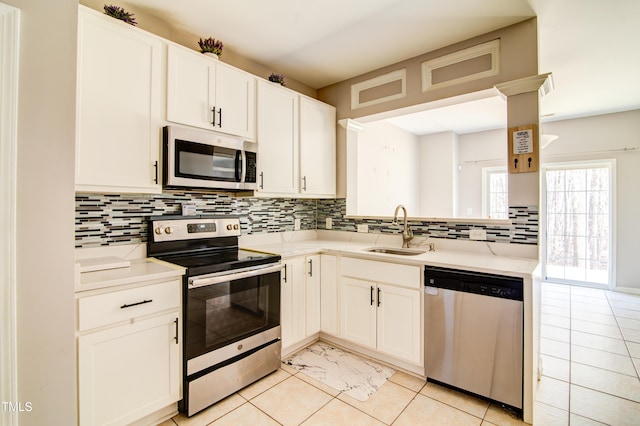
[(591, 47)]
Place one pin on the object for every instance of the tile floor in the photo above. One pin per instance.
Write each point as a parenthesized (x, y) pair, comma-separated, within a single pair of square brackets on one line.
[(590, 348)]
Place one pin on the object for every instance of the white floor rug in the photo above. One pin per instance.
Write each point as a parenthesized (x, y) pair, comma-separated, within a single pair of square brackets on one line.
[(355, 376)]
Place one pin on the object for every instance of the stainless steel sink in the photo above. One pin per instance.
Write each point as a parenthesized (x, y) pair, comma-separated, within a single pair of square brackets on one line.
[(394, 250)]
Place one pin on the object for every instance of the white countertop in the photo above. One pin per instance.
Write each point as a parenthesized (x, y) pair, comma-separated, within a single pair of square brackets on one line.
[(356, 245)]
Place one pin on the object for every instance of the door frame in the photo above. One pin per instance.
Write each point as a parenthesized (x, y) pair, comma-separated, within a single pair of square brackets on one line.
[(579, 164)]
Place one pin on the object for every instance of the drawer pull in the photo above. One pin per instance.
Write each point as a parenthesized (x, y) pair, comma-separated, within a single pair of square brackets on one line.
[(176, 338), (135, 304)]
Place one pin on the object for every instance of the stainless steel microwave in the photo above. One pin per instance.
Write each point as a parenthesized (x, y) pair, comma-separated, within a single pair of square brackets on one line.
[(204, 159)]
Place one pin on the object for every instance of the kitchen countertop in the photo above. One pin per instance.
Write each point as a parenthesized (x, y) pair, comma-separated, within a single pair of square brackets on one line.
[(479, 262)]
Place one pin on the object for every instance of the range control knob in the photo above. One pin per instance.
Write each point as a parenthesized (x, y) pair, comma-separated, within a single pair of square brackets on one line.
[(168, 230), (229, 227), (159, 230), (236, 227)]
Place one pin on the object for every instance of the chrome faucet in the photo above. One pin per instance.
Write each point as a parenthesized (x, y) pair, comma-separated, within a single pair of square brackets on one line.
[(407, 234)]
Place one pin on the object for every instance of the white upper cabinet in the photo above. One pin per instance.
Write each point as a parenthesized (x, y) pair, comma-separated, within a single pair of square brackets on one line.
[(317, 148), (278, 137), (205, 93), (297, 144), (119, 106)]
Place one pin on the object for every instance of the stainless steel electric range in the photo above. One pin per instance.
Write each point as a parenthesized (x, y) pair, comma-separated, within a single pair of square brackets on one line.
[(231, 305)]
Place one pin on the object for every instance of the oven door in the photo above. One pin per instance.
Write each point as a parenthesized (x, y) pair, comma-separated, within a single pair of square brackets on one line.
[(241, 308)]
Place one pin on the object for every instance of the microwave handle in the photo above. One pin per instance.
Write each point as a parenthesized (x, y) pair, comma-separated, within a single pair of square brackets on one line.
[(238, 166)]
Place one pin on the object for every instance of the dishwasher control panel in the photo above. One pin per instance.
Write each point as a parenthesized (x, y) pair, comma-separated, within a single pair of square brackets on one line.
[(493, 285)]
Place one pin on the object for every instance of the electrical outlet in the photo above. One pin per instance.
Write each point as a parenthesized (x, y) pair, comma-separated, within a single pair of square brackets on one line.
[(363, 227), (477, 234), (296, 224), (328, 223)]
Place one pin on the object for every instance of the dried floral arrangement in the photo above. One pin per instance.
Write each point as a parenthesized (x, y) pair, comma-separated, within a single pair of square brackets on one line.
[(211, 45), (277, 78), (119, 13)]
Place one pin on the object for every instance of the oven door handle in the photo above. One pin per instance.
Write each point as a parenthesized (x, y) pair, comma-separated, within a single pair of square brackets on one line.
[(200, 282)]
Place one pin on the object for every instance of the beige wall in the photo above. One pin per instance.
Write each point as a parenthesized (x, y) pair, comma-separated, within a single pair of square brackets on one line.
[(45, 211), (164, 29)]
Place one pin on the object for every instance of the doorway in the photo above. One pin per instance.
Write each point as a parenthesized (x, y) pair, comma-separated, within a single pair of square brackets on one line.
[(577, 202)]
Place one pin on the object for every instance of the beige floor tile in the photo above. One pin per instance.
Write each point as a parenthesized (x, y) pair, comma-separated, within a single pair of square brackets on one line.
[(553, 294), (322, 386), (555, 368), (167, 423), (423, 410), (593, 317), (408, 381), (636, 362), (590, 299), (212, 413), (554, 310), (264, 384), (385, 404), (634, 349), (626, 313), (553, 392), (599, 342), (602, 359), (632, 306), (630, 335), (596, 328), (587, 291), (605, 381), (247, 414), (623, 297), (337, 412), (588, 307), (558, 303), (630, 323), (475, 406), (554, 348), (547, 415), (554, 333), (555, 320), (289, 369), (561, 288), (291, 401), (500, 417), (604, 408), (577, 420)]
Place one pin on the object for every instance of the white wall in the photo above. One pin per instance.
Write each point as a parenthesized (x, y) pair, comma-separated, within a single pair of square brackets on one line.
[(45, 211), (611, 132), (386, 169), (438, 177), (476, 151)]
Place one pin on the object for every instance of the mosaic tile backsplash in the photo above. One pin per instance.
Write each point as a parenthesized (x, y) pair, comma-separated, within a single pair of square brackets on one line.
[(110, 219)]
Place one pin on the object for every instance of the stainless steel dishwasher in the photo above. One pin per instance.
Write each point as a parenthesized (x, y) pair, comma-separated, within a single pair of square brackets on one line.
[(473, 333)]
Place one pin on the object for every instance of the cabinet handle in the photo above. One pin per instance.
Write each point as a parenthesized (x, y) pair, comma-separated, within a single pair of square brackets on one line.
[(176, 322), (304, 183), (378, 296), (310, 267), (285, 273), (371, 295), (155, 166), (220, 117), (261, 180), (136, 304), (213, 123)]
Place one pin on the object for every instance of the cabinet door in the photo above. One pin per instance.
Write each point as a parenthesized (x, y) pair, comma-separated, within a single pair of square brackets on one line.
[(312, 306), (317, 148), (358, 311), (399, 325), (329, 294), (191, 88), (236, 102), (277, 139), (119, 96), (128, 372), (292, 312)]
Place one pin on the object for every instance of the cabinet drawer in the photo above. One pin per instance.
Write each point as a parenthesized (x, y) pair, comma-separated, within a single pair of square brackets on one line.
[(384, 272), (109, 308)]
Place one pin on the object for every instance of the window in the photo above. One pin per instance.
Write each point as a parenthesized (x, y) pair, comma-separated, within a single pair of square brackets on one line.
[(495, 197)]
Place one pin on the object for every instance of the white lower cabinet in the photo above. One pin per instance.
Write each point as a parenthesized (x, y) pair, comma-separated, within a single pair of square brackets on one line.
[(129, 367), (329, 294), (300, 300), (380, 306)]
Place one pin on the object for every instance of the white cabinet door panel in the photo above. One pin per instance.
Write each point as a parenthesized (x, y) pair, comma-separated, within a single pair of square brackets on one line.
[(399, 322), (317, 147), (313, 276), (358, 312)]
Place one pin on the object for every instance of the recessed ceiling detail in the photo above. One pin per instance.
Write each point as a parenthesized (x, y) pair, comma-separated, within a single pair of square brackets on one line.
[(379, 89), (465, 65)]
